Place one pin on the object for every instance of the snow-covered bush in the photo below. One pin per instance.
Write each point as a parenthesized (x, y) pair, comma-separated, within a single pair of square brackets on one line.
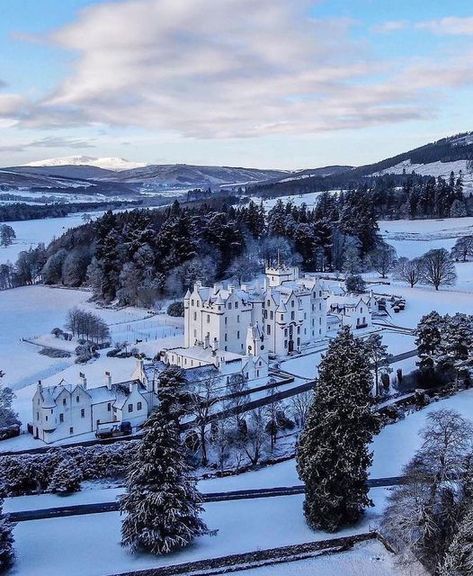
[(176, 309), (66, 478)]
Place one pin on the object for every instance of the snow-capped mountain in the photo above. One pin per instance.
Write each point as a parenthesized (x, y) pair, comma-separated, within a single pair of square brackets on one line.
[(115, 164)]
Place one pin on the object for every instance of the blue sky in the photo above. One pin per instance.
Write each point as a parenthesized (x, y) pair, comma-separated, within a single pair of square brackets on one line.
[(270, 84)]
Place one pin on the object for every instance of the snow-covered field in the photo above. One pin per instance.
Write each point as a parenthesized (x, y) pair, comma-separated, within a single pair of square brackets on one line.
[(29, 233), (90, 545), (412, 238), (365, 559), (33, 311), (434, 169), (297, 199)]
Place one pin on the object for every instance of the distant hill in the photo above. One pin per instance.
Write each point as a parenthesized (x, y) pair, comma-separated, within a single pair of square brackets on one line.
[(114, 164), (439, 158)]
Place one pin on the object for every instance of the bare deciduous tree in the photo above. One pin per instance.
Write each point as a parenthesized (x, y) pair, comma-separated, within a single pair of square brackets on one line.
[(438, 268), (409, 271)]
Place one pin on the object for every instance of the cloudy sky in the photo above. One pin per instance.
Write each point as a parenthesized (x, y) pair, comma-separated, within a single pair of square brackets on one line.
[(267, 83)]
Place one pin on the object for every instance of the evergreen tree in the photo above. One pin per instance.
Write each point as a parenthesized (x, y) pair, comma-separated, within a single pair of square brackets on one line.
[(162, 505), (429, 337), (333, 456), (66, 478), (6, 540)]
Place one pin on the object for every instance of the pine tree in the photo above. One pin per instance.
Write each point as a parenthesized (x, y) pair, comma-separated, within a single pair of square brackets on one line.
[(333, 455), (66, 478), (429, 337), (6, 540), (162, 505)]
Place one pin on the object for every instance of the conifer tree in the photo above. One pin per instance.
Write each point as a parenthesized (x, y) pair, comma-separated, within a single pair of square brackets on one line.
[(6, 540), (162, 505), (333, 455), (66, 478)]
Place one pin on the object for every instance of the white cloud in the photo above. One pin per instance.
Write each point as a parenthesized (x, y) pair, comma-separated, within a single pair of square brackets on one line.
[(214, 69), (229, 69), (391, 26), (449, 26)]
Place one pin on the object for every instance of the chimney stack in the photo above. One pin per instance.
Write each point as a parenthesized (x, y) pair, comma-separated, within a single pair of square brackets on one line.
[(108, 380)]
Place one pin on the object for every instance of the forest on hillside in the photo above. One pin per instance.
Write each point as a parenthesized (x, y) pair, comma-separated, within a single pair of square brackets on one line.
[(139, 256)]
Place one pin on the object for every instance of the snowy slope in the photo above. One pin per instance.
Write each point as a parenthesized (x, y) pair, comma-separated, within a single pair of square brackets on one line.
[(433, 169), (115, 164)]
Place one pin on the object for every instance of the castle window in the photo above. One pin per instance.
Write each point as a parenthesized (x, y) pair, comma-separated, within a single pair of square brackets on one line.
[(285, 331), (226, 320), (282, 317), (238, 333), (269, 302), (130, 407), (192, 302), (37, 415), (271, 315), (292, 303), (226, 337), (229, 305), (238, 318), (195, 315), (268, 329), (46, 418), (236, 305), (77, 399), (82, 413), (285, 343), (293, 315), (61, 417), (64, 401), (139, 406), (208, 318), (71, 430), (109, 407)]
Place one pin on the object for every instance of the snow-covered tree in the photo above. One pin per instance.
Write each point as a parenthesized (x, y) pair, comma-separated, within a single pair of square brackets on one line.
[(162, 507), (7, 235), (409, 271), (458, 209), (463, 248), (458, 560), (383, 258), (6, 540), (202, 400), (421, 518), (66, 477), (7, 416), (355, 284), (379, 358), (333, 455), (428, 339), (438, 268)]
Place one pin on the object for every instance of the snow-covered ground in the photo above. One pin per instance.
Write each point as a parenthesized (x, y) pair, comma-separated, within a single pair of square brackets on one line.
[(31, 312), (29, 233), (434, 169), (91, 544), (297, 199), (412, 238), (365, 559)]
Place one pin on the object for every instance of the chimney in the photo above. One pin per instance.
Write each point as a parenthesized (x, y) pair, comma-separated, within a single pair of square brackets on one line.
[(130, 387), (40, 386), (108, 380), (84, 380), (214, 346)]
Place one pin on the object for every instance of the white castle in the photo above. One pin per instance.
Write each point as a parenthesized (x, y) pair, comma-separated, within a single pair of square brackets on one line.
[(237, 327)]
